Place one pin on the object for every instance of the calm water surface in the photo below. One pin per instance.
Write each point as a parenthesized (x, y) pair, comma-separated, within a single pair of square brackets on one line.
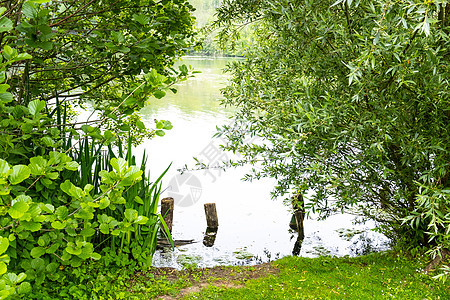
[(252, 227)]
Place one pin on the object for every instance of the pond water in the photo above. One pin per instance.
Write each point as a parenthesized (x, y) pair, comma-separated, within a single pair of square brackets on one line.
[(253, 228)]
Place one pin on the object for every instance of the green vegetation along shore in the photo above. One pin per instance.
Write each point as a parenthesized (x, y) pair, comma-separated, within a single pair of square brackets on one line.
[(385, 275)]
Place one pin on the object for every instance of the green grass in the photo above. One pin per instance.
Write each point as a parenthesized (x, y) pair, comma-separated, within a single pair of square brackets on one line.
[(375, 276)]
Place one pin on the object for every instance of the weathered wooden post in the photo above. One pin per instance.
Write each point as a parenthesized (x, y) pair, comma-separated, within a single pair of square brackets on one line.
[(299, 214), (211, 216), (167, 205), (212, 223)]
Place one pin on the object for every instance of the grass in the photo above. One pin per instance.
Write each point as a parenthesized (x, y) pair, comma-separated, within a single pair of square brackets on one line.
[(374, 276), (385, 275)]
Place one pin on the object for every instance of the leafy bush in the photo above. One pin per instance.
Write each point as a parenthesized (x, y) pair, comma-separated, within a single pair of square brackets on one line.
[(65, 198)]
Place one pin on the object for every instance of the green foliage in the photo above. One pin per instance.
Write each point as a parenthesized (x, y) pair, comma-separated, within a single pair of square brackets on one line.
[(348, 99), (205, 14), (64, 198)]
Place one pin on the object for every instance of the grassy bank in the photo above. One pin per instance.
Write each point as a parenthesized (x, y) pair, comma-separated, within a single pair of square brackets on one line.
[(376, 276)]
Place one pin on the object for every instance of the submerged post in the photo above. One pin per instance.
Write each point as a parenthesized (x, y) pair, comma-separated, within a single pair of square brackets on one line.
[(167, 205), (211, 216), (210, 237)]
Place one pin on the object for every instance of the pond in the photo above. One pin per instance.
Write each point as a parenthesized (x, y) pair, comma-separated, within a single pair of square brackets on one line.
[(253, 228)]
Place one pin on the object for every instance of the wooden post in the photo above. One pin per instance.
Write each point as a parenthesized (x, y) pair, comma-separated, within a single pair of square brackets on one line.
[(167, 205), (299, 214), (211, 216)]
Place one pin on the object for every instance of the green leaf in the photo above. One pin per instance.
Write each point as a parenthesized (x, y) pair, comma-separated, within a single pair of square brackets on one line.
[(142, 19), (31, 226), (159, 94), (160, 133), (2, 10), (138, 199), (29, 10), (48, 208), (52, 248), (37, 252), (8, 52), (95, 256), (131, 214), (6, 97), (104, 203), (72, 166), (4, 244), (6, 24), (48, 141), (58, 225), (3, 268), (167, 125), (72, 190), (24, 288), (18, 209), (19, 174), (4, 88), (119, 164), (10, 278), (72, 249), (87, 232), (51, 268), (5, 170), (140, 125), (38, 264), (21, 277), (36, 106), (104, 228), (23, 56), (37, 165)]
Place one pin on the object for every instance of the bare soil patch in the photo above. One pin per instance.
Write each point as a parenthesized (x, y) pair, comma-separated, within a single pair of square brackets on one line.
[(228, 277)]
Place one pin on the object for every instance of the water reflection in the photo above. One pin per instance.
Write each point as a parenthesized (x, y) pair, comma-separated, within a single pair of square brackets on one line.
[(253, 227)]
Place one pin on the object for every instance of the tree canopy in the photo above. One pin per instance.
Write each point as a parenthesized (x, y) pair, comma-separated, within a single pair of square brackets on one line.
[(350, 100)]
